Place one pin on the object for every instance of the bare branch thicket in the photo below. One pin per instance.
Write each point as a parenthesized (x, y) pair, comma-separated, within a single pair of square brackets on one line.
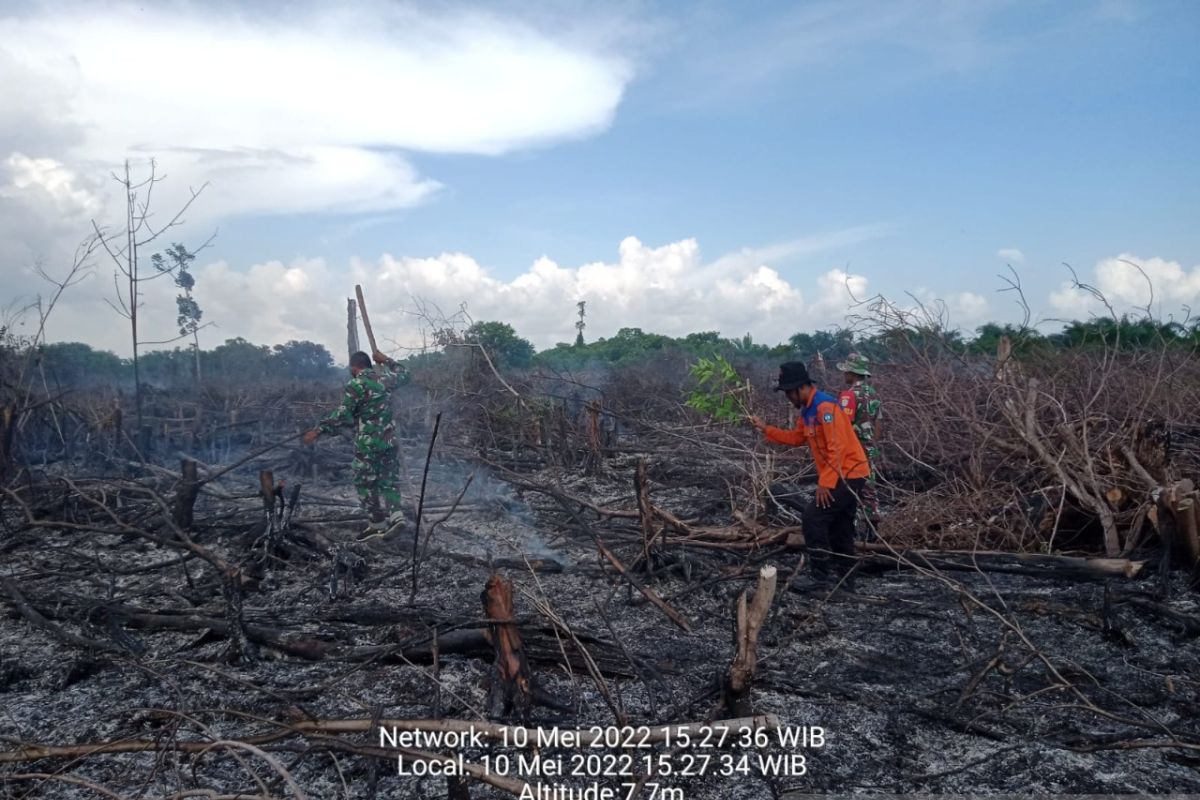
[(1009, 443)]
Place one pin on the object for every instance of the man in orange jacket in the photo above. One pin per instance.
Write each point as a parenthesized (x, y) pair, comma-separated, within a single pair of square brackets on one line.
[(842, 470)]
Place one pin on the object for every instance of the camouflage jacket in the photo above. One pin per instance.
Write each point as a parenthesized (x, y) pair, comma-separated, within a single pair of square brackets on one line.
[(861, 404), (367, 405)]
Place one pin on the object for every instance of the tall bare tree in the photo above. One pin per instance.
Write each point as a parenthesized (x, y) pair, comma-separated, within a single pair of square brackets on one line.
[(124, 244)]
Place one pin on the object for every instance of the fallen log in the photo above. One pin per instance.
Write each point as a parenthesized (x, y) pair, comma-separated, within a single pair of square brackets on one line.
[(308, 647), (541, 644), (1036, 564), (34, 618)]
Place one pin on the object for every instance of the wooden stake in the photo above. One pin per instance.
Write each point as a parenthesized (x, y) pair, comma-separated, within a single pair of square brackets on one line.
[(750, 619), (185, 498), (416, 552), (351, 328), (266, 488), (641, 488), (362, 309)]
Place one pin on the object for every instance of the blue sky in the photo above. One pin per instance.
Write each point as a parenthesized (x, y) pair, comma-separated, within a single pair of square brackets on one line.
[(907, 143)]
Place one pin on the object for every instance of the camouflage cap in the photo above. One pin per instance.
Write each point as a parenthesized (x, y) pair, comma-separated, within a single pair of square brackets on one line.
[(856, 363)]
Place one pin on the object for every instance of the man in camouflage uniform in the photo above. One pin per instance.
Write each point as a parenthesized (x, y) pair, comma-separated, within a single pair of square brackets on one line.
[(367, 405), (861, 403)]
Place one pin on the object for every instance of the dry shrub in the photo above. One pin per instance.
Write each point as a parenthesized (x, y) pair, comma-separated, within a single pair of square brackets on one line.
[(975, 442)]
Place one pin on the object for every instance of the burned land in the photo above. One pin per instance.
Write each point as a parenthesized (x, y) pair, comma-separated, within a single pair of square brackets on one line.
[(186, 611)]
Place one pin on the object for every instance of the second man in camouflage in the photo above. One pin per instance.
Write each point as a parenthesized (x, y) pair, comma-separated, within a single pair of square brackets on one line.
[(367, 406), (861, 403)]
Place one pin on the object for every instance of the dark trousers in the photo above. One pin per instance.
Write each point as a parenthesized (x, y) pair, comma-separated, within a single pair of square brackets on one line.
[(829, 531)]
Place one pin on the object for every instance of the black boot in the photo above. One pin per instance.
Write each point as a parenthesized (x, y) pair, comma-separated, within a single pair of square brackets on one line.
[(816, 579)]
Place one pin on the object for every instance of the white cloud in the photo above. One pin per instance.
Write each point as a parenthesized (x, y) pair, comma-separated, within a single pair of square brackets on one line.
[(299, 109), (666, 289), (952, 310), (1011, 254), (45, 210), (1130, 284)]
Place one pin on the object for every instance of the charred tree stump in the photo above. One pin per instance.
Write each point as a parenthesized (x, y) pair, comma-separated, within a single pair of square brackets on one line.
[(185, 497), (145, 440), (293, 500), (1195, 528), (241, 650), (750, 618), (593, 463), (511, 688), (118, 426), (7, 426), (1183, 503), (641, 489), (266, 490)]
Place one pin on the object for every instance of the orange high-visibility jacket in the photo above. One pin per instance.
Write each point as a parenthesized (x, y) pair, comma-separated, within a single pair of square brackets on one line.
[(826, 429)]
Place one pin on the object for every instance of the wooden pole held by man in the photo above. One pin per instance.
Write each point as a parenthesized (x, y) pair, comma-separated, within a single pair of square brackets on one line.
[(362, 309)]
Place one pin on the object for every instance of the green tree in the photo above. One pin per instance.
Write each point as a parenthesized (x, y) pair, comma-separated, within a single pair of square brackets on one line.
[(302, 360), (502, 344), (703, 342), (581, 324), (177, 260), (832, 346), (1122, 333), (78, 364), (1025, 341), (173, 367), (237, 360)]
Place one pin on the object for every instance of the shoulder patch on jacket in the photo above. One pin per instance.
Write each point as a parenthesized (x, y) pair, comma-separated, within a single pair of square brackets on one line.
[(827, 417)]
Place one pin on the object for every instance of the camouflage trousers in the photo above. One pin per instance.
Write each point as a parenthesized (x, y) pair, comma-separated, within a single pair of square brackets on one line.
[(377, 480), (868, 509)]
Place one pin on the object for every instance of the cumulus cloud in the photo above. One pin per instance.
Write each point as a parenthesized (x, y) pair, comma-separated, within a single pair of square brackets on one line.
[(1131, 284), (963, 311), (665, 289), (45, 210), (312, 109), (1012, 255)]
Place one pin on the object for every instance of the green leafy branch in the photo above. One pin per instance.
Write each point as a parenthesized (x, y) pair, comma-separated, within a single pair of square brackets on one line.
[(722, 393)]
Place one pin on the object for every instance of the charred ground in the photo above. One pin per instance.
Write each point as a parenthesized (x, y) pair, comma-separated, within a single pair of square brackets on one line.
[(991, 643)]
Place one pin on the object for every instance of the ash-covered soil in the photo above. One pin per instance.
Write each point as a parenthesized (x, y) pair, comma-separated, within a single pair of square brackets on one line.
[(935, 683)]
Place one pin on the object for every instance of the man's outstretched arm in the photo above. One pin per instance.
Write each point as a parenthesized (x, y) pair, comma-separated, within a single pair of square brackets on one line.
[(340, 417), (796, 437)]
